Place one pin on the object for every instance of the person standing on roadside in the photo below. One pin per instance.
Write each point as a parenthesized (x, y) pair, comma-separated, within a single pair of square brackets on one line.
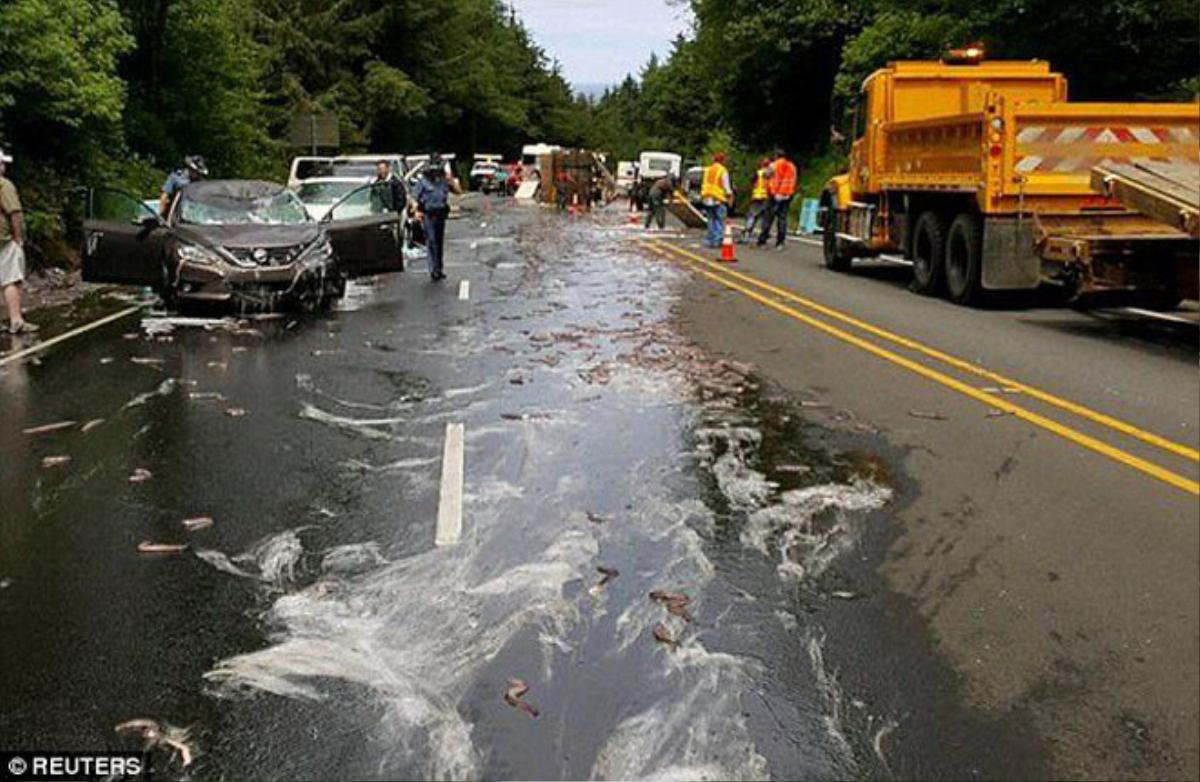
[(781, 184), (193, 170), (432, 195), (759, 203), (12, 250), (660, 191), (717, 195)]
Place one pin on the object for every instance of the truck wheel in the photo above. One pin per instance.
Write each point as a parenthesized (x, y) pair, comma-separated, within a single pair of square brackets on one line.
[(836, 257), (964, 259), (929, 250)]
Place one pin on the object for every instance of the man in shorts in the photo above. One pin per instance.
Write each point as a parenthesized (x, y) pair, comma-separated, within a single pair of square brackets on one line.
[(12, 250)]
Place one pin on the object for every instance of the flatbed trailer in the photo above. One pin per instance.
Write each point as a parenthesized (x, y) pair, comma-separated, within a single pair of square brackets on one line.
[(981, 174), (1167, 192)]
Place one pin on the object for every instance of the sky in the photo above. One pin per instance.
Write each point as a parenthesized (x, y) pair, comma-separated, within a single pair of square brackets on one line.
[(599, 41)]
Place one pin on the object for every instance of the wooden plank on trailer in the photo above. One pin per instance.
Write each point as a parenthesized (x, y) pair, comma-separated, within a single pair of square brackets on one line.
[(1171, 180), (1167, 192)]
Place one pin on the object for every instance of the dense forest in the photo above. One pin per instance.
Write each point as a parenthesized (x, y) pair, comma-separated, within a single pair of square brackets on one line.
[(117, 91)]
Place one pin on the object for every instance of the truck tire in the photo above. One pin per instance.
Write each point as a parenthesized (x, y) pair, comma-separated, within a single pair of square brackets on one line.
[(929, 252), (836, 257), (964, 259)]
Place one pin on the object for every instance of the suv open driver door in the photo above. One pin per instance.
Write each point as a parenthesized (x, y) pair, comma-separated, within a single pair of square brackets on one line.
[(122, 240), (365, 232)]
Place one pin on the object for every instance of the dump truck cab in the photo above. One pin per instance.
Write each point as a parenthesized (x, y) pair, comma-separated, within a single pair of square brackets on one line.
[(980, 172)]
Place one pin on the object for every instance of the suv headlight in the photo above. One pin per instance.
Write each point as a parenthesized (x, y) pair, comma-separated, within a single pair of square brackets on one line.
[(319, 251), (194, 253)]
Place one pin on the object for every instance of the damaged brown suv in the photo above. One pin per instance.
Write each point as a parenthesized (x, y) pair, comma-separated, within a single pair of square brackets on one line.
[(248, 244)]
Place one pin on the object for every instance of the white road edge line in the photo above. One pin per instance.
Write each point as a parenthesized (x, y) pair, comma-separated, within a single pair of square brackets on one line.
[(464, 290), (450, 499), (1156, 315), (819, 243), (29, 351)]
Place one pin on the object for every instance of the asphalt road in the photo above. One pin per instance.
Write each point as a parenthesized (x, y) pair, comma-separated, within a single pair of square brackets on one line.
[(1052, 550), (885, 579)]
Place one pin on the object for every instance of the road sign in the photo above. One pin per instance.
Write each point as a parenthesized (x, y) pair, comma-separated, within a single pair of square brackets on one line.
[(313, 131)]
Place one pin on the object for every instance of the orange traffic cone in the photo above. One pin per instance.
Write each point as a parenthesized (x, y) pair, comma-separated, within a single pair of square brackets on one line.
[(727, 246)]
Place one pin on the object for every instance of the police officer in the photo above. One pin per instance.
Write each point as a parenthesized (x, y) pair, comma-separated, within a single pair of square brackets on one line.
[(432, 195), (193, 170)]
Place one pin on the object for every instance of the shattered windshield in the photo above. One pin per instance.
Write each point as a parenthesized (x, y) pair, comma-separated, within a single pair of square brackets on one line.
[(279, 208)]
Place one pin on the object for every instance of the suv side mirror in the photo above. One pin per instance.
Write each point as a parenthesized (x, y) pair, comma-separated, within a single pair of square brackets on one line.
[(147, 222)]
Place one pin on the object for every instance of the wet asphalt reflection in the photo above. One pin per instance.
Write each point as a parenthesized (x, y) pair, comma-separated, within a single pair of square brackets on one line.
[(314, 631)]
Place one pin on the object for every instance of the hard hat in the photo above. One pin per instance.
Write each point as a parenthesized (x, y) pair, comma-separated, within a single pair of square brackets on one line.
[(5, 157), (196, 163)]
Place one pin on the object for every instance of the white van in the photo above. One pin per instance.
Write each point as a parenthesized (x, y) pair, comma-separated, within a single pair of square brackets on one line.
[(654, 165), (626, 175), (531, 152)]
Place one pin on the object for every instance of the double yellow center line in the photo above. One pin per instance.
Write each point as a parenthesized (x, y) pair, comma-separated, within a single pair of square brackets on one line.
[(750, 287)]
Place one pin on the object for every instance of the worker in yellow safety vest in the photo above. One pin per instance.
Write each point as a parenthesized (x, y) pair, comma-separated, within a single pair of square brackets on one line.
[(758, 200), (717, 196), (781, 185)]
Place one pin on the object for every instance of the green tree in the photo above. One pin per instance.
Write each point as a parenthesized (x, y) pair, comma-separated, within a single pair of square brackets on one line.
[(61, 73), (60, 104)]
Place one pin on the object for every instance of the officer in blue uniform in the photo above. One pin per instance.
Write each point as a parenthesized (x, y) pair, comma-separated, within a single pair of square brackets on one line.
[(193, 170), (432, 194)]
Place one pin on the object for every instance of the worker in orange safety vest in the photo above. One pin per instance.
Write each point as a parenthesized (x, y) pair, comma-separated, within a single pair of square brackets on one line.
[(781, 186)]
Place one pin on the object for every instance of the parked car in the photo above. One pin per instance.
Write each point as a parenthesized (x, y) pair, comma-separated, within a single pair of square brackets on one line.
[(250, 244), (487, 177)]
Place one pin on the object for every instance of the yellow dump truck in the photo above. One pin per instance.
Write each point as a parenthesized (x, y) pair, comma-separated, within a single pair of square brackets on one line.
[(979, 172)]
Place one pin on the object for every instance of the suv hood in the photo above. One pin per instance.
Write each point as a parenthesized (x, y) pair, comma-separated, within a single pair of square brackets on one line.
[(250, 236)]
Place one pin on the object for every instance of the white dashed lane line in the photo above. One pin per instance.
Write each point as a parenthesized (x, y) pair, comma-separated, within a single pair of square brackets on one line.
[(464, 290), (450, 499)]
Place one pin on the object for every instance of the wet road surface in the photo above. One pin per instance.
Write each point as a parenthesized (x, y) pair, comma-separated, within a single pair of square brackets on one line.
[(1047, 528), (314, 630)]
